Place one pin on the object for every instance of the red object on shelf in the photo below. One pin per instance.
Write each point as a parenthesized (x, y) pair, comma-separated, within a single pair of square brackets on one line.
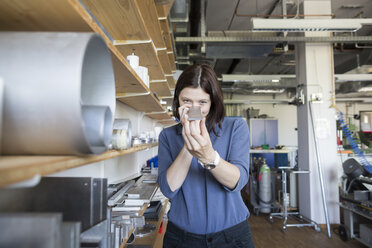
[(161, 227)]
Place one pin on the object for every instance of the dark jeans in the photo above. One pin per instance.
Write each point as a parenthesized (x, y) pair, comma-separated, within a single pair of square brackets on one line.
[(236, 236)]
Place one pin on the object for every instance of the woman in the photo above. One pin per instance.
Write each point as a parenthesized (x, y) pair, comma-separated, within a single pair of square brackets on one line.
[(203, 165)]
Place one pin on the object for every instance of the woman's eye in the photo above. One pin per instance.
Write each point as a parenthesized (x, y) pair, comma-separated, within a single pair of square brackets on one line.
[(186, 101)]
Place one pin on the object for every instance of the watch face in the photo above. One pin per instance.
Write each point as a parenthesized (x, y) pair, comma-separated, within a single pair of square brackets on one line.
[(210, 166)]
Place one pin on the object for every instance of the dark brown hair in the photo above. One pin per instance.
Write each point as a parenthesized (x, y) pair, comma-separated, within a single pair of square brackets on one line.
[(202, 76)]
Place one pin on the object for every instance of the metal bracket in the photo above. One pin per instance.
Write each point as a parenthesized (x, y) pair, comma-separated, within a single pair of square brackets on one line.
[(158, 81), (130, 42), (124, 95)]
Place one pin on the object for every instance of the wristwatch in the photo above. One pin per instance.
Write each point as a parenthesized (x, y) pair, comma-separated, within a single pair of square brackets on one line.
[(210, 166)]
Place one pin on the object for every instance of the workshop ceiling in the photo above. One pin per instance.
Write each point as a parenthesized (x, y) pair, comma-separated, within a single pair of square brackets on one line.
[(221, 18)]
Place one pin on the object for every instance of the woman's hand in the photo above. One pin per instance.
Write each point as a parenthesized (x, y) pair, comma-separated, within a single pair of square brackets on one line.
[(197, 140), (183, 113)]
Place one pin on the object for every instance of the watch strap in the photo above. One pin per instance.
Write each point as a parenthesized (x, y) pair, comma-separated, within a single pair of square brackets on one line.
[(212, 165)]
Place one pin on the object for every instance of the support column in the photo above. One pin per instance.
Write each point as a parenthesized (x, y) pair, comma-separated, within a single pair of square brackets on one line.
[(315, 70)]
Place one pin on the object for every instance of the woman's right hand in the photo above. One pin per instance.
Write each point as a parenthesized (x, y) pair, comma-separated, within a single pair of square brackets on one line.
[(183, 111)]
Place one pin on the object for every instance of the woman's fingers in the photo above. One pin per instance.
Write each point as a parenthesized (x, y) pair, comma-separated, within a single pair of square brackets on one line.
[(183, 111), (203, 128), (189, 130), (195, 132), (186, 135)]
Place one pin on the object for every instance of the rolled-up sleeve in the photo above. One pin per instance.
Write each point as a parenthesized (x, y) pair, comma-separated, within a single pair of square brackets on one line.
[(239, 152), (165, 161)]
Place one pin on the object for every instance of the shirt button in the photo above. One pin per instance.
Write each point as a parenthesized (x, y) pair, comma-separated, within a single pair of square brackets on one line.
[(210, 240)]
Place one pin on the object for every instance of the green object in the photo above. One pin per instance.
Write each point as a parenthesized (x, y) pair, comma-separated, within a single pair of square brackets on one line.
[(264, 168), (265, 146)]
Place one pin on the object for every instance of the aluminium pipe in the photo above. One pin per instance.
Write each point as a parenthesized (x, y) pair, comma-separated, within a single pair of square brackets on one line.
[(320, 173), (59, 95)]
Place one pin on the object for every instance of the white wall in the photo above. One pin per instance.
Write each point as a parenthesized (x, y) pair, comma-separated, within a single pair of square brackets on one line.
[(120, 168), (286, 115)]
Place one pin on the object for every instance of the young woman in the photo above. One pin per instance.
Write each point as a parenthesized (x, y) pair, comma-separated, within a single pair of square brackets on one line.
[(203, 165)]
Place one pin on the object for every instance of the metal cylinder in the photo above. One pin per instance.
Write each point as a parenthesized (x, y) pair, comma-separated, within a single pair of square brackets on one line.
[(122, 134), (265, 189), (293, 190), (48, 78), (98, 124)]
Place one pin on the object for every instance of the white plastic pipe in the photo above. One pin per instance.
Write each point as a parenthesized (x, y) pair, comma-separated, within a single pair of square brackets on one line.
[(48, 79)]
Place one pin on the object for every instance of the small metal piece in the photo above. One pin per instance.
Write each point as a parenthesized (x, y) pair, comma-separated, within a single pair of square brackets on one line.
[(195, 113), (120, 194)]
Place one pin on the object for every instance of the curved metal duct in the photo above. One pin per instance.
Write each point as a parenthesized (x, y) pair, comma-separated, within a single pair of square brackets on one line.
[(59, 93)]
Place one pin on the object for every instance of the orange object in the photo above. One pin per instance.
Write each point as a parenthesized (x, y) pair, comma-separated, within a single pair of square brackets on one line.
[(345, 151)]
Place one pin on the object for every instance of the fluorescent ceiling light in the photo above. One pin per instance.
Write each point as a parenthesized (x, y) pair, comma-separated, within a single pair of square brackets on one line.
[(339, 78), (254, 78), (269, 91), (353, 77), (365, 89), (304, 25)]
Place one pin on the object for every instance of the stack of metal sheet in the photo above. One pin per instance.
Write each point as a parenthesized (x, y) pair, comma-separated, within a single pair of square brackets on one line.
[(82, 199)]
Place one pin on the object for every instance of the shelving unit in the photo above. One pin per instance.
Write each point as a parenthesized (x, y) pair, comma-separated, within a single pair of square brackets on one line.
[(159, 116), (14, 169), (154, 238), (140, 213), (124, 25), (145, 102)]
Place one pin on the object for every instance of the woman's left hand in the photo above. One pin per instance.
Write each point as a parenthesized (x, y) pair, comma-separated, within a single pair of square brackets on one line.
[(199, 143)]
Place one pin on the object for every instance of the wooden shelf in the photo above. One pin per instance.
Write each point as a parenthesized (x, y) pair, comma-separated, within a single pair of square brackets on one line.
[(172, 61), (121, 19), (171, 81), (131, 24), (40, 15), (164, 61), (168, 122), (163, 9), (126, 79), (159, 116), (15, 169), (144, 103), (160, 88), (147, 57), (167, 37), (149, 14)]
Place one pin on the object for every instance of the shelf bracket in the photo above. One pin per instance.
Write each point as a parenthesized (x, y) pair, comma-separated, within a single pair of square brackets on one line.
[(130, 42), (158, 81), (124, 95), (157, 112)]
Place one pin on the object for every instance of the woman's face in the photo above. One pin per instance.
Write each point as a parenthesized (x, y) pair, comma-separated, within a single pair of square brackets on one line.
[(195, 97)]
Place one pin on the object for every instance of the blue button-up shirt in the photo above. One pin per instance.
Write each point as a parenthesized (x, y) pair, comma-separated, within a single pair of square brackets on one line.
[(202, 205)]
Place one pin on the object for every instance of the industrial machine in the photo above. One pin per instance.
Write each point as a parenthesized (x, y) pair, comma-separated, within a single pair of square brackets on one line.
[(356, 203)]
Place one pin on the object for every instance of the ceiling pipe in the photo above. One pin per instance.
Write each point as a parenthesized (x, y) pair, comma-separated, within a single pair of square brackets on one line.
[(275, 39), (287, 15)]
